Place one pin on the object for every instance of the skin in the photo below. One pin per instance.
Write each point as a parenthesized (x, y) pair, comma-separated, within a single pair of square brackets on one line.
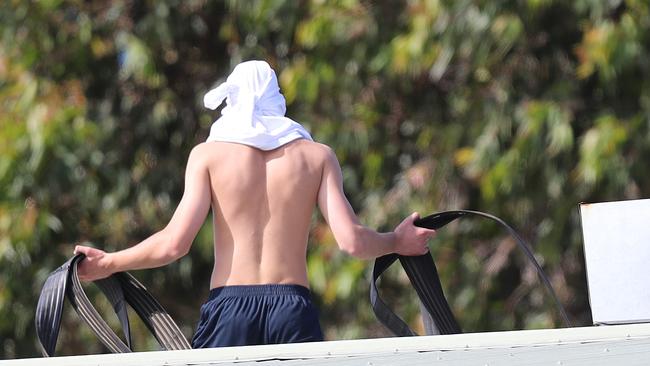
[(262, 204)]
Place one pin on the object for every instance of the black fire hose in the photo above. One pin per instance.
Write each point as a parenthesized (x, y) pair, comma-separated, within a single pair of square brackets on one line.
[(120, 289), (421, 271)]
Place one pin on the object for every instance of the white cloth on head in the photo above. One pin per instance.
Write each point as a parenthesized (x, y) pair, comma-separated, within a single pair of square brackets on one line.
[(255, 108)]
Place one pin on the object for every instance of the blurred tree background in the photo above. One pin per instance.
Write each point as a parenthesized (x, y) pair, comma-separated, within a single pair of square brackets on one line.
[(520, 108)]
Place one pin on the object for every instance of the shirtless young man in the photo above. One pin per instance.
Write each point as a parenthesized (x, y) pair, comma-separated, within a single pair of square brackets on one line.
[(262, 199)]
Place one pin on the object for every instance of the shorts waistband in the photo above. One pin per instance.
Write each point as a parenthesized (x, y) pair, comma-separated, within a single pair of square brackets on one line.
[(258, 290)]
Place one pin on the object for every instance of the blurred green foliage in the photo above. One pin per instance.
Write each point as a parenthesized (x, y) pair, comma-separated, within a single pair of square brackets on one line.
[(521, 108)]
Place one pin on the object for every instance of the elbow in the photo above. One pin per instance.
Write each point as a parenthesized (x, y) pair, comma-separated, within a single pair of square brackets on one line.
[(349, 247), (175, 249), (353, 244), (354, 250)]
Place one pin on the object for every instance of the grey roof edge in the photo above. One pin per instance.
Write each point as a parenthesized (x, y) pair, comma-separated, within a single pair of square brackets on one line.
[(355, 348)]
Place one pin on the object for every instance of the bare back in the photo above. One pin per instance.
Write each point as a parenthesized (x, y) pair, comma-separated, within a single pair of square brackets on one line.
[(262, 203), (262, 200)]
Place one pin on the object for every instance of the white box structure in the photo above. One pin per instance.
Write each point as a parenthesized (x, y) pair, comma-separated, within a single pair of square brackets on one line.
[(617, 255)]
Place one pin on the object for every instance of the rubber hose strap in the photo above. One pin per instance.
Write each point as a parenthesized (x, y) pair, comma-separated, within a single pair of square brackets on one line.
[(438, 319), (118, 288), (88, 313), (50, 308), (434, 222), (113, 291), (388, 318), (423, 274), (424, 277), (159, 322)]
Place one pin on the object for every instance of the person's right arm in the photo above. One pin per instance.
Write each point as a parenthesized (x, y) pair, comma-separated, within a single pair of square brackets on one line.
[(355, 238)]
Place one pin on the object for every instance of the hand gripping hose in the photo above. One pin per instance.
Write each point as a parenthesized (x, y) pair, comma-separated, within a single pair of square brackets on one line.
[(120, 289), (422, 272)]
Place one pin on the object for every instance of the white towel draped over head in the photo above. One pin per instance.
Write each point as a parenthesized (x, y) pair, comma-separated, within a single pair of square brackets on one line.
[(254, 112)]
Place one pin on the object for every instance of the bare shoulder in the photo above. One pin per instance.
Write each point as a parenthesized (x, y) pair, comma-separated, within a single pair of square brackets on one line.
[(320, 152), (200, 154), (323, 157), (328, 156)]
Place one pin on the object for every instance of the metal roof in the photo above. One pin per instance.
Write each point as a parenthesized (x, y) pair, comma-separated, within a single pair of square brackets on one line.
[(597, 345)]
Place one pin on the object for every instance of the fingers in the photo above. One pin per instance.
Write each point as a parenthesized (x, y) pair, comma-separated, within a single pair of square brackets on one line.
[(419, 249), (422, 247), (94, 266), (428, 233), (87, 251), (410, 219), (425, 239), (413, 240), (423, 235), (87, 268), (80, 249), (418, 243)]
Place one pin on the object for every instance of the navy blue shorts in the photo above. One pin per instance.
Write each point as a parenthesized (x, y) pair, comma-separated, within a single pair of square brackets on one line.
[(257, 314)]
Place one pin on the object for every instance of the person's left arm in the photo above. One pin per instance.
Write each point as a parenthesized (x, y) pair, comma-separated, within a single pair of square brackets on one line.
[(167, 245)]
